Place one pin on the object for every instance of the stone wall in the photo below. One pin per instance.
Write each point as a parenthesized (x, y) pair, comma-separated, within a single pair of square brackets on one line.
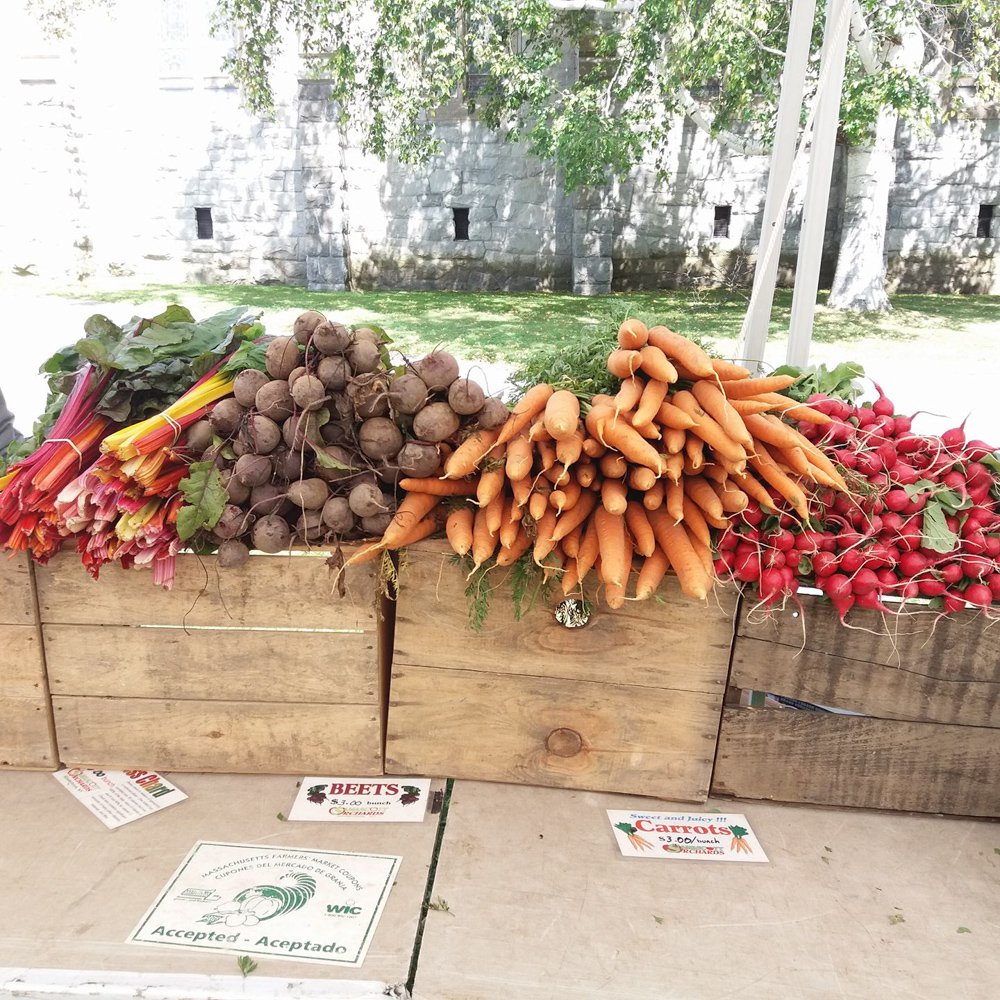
[(109, 161)]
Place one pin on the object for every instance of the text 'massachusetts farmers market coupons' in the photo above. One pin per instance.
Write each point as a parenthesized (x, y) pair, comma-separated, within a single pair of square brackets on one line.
[(689, 836)]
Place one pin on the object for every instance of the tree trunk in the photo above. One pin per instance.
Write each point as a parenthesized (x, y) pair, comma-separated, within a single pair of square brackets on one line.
[(859, 282)]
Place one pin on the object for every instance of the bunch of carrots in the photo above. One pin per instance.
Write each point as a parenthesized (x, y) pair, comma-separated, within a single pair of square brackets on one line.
[(637, 481)]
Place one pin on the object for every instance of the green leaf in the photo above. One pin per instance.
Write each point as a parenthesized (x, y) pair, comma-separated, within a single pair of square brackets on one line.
[(964, 930), (246, 965), (627, 828), (936, 535), (327, 461), (205, 499)]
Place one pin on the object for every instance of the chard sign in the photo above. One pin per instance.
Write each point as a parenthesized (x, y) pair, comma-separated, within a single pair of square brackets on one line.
[(319, 906)]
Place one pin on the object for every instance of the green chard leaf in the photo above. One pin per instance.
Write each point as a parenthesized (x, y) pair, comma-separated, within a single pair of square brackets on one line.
[(205, 499), (937, 536)]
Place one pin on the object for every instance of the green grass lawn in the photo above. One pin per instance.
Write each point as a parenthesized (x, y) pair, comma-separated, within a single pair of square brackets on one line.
[(507, 327)]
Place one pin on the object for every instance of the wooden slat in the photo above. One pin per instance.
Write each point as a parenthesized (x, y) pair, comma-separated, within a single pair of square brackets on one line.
[(551, 732), (26, 739), (680, 643), (923, 689), (216, 665), (798, 756), (284, 591), (233, 737), (960, 647), (949, 675), (17, 598)]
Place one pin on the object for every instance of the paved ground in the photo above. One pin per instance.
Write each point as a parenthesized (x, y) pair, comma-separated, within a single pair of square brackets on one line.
[(533, 901)]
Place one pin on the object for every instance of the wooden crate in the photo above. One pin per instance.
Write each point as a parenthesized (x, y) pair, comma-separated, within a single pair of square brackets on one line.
[(261, 669), (26, 737), (630, 702), (930, 741)]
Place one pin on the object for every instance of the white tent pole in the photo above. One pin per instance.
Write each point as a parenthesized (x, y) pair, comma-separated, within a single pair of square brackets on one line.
[(817, 194), (755, 323)]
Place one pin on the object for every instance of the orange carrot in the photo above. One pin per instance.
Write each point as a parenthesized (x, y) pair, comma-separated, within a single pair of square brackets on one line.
[(521, 488), (732, 498), (562, 414), (649, 431), (520, 455), (529, 406), (415, 533), (653, 497), (694, 519), (570, 578), (745, 406), (585, 474), (704, 496), (795, 459), (613, 465), (694, 452), (569, 449), (673, 440), (546, 452), (491, 482), (674, 466), (566, 498), (544, 542), (558, 474), (656, 364), (439, 487), (509, 526), (639, 526), (728, 370), (650, 401), (571, 543), (464, 460), (589, 549), (676, 544), (612, 545), (537, 431), (744, 388), (614, 496), (413, 508), (673, 416), (623, 363), (679, 348), (764, 464), (709, 430), (484, 541), (521, 544), (632, 334), (641, 478), (494, 514), (651, 573), (757, 491), (593, 448), (538, 504), (675, 501), (713, 401), (703, 550), (618, 435), (799, 411), (614, 593), (458, 529), (629, 394)]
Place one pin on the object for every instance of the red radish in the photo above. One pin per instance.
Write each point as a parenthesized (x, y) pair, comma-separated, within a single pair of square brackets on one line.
[(954, 438), (783, 540), (824, 563), (992, 545), (909, 589), (725, 563), (912, 564), (891, 521), (752, 515), (978, 594), (793, 557), (932, 588), (887, 579), (951, 573), (952, 602), (774, 558), (976, 567), (993, 581), (851, 561), (865, 581), (870, 600), (903, 474), (728, 541), (978, 450), (883, 406), (747, 568), (897, 501), (772, 585), (903, 425)]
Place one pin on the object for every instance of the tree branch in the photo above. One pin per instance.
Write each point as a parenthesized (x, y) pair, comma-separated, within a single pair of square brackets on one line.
[(724, 137), (864, 40)]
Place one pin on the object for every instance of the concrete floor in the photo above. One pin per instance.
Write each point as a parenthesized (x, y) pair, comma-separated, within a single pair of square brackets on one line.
[(532, 901)]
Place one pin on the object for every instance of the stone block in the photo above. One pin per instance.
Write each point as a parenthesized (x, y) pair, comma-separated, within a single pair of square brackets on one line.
[(441, 181), (326, 274), (592, 244)]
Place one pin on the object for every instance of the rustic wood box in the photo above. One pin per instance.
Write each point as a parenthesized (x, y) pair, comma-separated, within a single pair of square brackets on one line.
[(930, 741), (261, 669), (26, 736), (629, 702)]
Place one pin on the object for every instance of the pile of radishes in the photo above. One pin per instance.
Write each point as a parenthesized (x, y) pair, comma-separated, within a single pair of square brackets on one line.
[(311, 451), (923, 522)]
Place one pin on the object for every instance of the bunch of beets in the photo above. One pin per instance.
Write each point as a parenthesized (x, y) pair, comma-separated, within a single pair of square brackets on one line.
[(312, 450), (923, 522)]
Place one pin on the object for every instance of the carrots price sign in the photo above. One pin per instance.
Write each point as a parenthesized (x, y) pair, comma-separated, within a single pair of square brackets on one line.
[(694, 837)]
